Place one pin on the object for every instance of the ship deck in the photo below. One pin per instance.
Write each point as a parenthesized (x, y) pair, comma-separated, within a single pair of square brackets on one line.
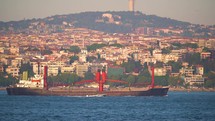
[(86, 91)]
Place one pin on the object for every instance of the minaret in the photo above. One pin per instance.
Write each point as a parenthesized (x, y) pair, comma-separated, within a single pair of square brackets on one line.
[(131, 5), (83, 44)]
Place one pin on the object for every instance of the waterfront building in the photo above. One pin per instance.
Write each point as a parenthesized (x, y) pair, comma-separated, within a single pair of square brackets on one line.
[(81, 69), (68, 69), (53, 70), (194, 79), (187, 71), (205, 55), (199, 69), (14, 71), (160, 71)]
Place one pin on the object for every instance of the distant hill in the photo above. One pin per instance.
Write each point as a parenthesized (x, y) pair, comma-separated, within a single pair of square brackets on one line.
[(111, 22)]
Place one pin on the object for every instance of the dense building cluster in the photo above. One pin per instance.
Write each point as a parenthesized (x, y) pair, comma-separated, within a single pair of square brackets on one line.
[(54, 50)]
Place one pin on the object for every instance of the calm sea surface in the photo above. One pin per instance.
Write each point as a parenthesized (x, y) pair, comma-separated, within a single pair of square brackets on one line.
[(177, 106)]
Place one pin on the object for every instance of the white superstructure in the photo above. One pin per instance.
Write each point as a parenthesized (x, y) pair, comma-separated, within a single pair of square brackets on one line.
[(35, 82)]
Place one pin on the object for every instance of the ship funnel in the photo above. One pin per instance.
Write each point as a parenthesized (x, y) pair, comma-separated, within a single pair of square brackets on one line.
[(45, 77)]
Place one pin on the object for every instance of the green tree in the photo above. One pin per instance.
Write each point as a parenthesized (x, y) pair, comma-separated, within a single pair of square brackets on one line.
[(75, 49), (176, 66), (166, 51), (7, 80), (208, 64), (205, 49), (191, 45), (145, 72), (98, 56), (143, 79), (27, 67), (93, 47), (131, 66), (74, 78), (186, 45), (138, 65), (151, 50), (175, 81), (117, 45), (161, 80), (64, 78), (88, 75), (131, 79), (210, 81), (187, 33), (124, 77), (91, 58), (73, 58), (115, 77), (193, 58), (46, 52), (159, 64)]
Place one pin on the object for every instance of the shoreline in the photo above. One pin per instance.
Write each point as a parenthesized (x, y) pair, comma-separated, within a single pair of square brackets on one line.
[(192, 90)]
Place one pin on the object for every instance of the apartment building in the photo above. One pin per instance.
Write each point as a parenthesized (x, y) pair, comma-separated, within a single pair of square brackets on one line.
[(68, 69), (160, 71), (53, 70), (194, 79), (205, 55), (81, 69), (14, 71)]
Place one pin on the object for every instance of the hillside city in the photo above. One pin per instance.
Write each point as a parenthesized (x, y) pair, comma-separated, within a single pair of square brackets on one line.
[(75, 53)]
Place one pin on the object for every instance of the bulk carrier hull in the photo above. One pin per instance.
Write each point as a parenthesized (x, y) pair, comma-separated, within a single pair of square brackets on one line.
[(41, 92), (100, 79)]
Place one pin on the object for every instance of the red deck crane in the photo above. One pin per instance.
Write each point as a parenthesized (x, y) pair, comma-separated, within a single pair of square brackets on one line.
[(101, 78)]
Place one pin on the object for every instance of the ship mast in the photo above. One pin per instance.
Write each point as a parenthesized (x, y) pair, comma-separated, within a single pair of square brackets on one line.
[(153, 78), (45, 77), (101, 79)]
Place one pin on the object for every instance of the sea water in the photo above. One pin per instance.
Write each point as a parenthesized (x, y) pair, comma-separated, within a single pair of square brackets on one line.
[(177, 106)]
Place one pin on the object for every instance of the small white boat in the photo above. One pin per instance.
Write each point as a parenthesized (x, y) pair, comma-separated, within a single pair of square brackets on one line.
[(98, 95)]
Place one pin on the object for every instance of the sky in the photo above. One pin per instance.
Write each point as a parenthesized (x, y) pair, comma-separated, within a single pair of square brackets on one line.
[(194, 11)]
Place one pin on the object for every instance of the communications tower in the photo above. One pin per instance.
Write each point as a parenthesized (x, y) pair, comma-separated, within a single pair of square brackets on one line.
[(131, 5)]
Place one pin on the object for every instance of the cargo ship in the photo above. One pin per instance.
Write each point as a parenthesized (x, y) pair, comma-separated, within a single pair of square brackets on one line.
[(38, 86)]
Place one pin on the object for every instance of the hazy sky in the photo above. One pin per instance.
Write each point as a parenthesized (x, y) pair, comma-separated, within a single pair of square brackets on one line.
[(194, 11)]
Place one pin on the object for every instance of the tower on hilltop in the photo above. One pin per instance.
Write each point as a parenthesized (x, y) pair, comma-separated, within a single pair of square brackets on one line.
[(131, 5)]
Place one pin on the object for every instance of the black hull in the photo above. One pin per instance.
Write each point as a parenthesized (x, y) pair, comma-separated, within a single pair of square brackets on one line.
[(41, 92)]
